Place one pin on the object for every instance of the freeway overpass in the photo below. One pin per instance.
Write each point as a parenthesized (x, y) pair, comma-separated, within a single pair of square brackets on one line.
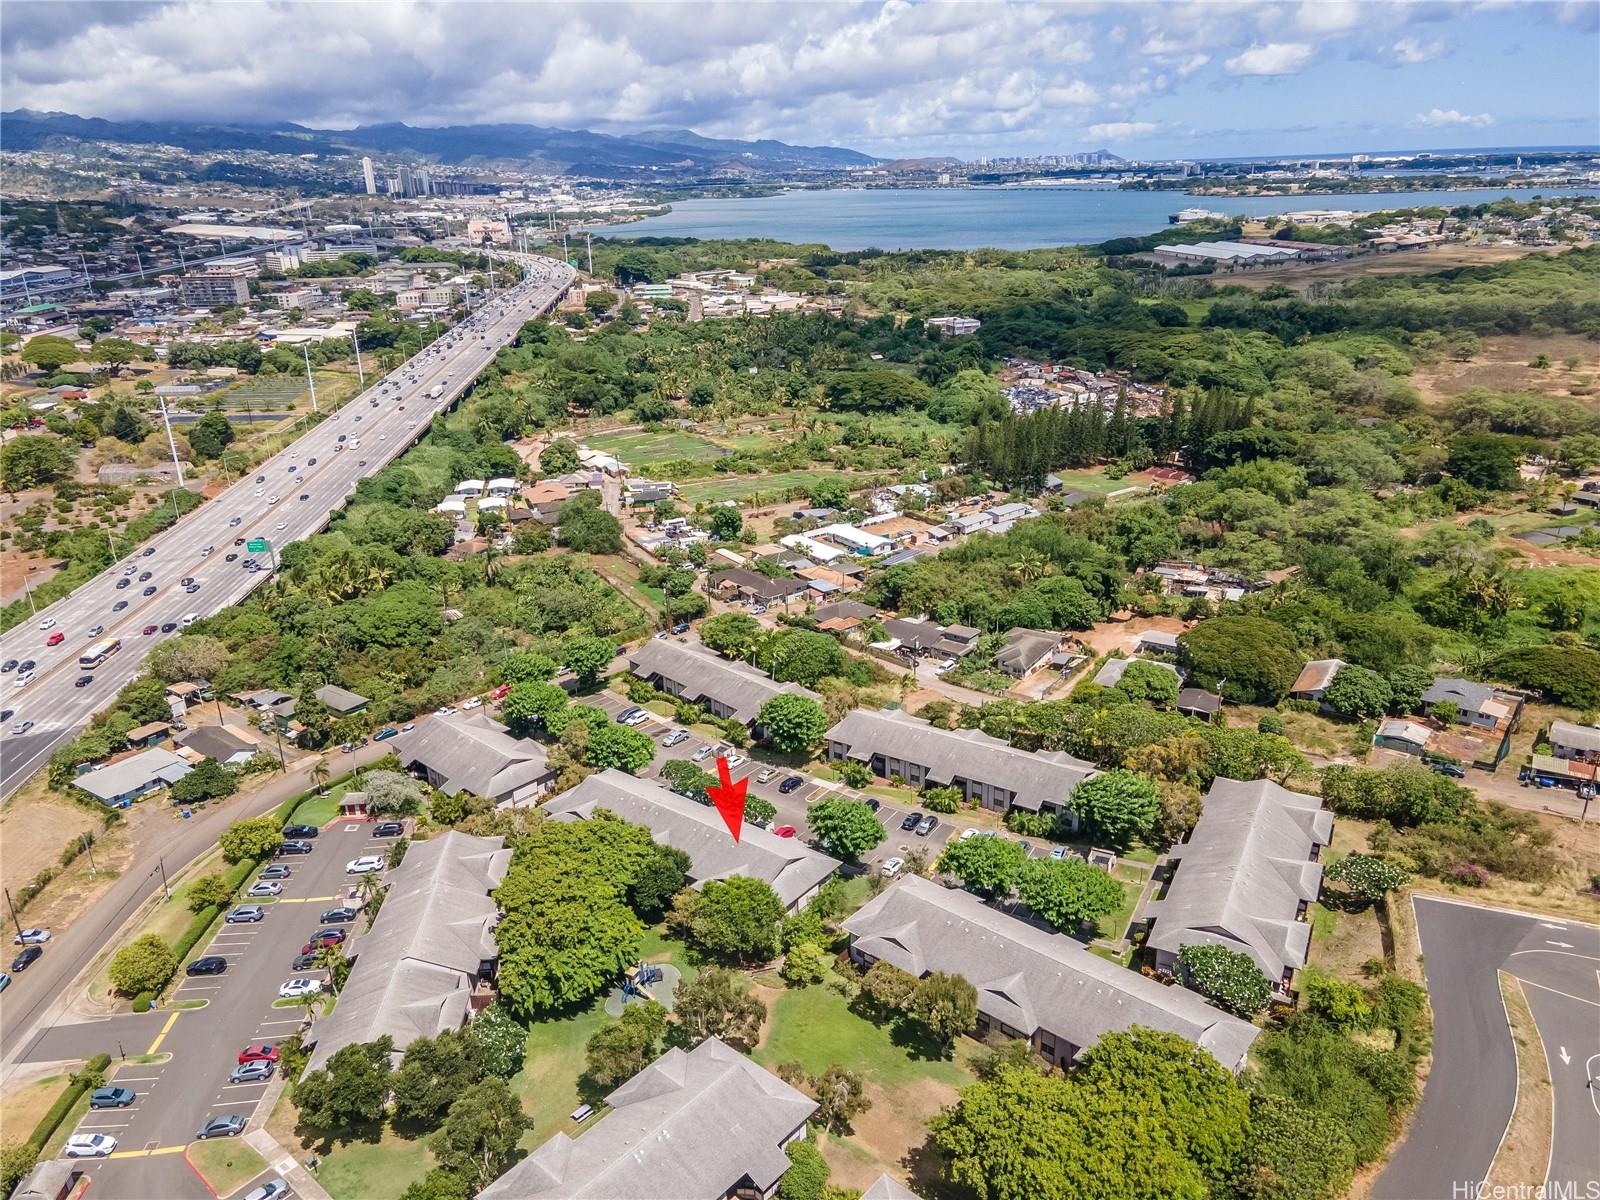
[(286, 498)]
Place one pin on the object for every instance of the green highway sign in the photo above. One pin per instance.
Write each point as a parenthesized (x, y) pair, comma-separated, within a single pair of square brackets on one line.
[(256, 545)]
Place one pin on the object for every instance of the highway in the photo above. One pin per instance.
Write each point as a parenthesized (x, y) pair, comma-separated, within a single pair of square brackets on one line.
[(285, 499)]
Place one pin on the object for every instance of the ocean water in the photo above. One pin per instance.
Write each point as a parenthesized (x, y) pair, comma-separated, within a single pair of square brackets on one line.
[(1009, 218)]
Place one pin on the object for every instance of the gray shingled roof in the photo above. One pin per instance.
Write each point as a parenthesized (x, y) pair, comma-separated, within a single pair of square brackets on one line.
[(1242, 875), (130, 774), (413, 974), (922, 634), (1574, 737), (845, 608), (689, 1126), (1035, 777), (473, 754), (885, 1188), (1025, 647), (1112, 672), (705, 674), (792, 868), (1464, 693), (1030, 979), (215, 742), (340, 699)]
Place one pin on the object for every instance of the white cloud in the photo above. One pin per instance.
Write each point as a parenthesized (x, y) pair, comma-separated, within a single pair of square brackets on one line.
[(1120, 131), (1272, 58), (1409, 50), (1441, 118), (1328, 16)]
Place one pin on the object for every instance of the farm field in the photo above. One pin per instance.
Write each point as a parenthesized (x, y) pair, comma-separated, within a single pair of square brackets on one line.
[(742, 487), (640, 447)]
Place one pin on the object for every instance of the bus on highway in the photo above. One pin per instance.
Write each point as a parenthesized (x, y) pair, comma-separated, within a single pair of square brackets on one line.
[(98, 653)]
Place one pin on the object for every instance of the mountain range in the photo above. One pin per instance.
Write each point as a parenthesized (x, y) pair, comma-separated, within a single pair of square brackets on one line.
[(573, 151)]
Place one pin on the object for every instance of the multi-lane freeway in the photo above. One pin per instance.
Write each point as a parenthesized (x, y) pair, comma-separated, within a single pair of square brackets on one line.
[(199, 565)]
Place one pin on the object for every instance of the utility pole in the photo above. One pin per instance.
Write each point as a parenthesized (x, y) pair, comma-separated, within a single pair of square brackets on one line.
[(588, 240), (13, 909), (88, 847), (161, 866), (360, 372), (171, 441), (310, 382), (27, 588), (283, 766)]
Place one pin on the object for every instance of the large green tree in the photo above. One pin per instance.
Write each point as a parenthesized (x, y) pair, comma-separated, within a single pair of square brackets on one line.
[(946, 1006), (478, 1140), (256, 837), (587, 656), (33, 460), (739, 917), (143, 965), (349, 1091), (801, 656), (793, 723), (432, 1074), (848, 826), (622, 1049), (1118, 806), (717, 1003), (619, 747), (1068, 893), (1255, 660), (989, 865), (732, 635)]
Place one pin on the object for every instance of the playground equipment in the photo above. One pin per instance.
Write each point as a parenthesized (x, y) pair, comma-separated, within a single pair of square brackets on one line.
[(638, 977)]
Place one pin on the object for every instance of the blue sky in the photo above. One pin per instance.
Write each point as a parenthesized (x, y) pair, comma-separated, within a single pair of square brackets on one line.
[(891, 77)]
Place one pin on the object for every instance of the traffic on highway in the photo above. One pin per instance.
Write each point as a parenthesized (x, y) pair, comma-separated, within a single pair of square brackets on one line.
[(73, 657)]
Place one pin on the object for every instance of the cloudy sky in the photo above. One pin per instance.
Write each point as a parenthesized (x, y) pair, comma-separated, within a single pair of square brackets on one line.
[(1153, 78)]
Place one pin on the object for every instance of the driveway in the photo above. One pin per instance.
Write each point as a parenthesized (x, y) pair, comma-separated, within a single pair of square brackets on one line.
[(1472, 1090), (176, 1096)]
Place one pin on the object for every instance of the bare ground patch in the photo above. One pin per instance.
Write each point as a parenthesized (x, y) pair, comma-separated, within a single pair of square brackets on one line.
[(883, 1137), (1502, 365)]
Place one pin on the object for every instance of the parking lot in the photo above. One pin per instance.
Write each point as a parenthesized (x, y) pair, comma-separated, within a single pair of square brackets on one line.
[(236, 1008)]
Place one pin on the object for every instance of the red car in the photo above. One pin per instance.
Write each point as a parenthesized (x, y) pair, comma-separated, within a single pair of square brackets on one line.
[(259, 1054), (784, 831), (501, 692), (331, 938), (149, 629), (55, 639)]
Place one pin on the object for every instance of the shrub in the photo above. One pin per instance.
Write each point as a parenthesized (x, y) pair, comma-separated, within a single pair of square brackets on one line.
[(1270, 723), (144, 965), (1230, 977), (943, 799), (143, 1002)]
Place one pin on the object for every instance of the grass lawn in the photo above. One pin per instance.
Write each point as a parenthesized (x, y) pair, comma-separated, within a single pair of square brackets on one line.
[(1093, 482), (318, 810), (1113, 925), (547, 1085), (22, 1107), (226, 1164), (815, 1027), (369, 1170), (170, 919), (643, 447), (742, 487)]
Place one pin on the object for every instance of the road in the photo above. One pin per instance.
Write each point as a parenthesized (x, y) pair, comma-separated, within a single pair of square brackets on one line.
[(37, 996), (177, 1096), (287, 498), (1472, 1088)]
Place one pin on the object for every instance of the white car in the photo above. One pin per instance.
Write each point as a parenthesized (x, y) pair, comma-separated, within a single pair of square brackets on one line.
[(295, 988), (449, 710), (891, 867), (365, 865), (31, 937), (736, 760), (89, 1145), (23, 680), (475, 702), (266, 887), (48, 623), (967, 834), (261, 491), (272, 499)]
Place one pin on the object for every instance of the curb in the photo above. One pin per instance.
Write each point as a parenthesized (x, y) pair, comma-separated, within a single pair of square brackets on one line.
[(196, 1170)]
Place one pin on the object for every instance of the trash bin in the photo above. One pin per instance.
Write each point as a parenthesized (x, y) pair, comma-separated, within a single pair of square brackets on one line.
[(184, 813)]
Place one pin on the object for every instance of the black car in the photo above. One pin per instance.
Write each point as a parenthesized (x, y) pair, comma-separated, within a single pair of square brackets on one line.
[(28, 664), (169, 627), (147, 552), (306, 962), (211, 964), (311, 462), (149, 591), (229, 557), (122, 583), (261, 478), (305, 495), (295, 847), (389, 829), (793, 783), (26, 959), (300, 831), (144, 576), (119, 606), (10, 665), (910, 822), (338, 916), (83, 681), (874, 803)]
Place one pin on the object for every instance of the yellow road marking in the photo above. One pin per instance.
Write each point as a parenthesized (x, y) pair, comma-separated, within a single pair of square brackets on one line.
[(165, 1029), (168, 1150), (145, 1153)]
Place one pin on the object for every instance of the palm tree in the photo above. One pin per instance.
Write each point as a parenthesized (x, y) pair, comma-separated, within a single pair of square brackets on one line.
[(311, 1002), (319, 776), (1029, 566)]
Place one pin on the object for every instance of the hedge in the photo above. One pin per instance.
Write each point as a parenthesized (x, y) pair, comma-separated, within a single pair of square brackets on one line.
[(51, 1120), (143, 1002)]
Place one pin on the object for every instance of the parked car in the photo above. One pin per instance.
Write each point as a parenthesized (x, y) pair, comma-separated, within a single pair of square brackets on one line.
[(736, 760), (322, 939), (293, 989), (703, 753), (275, 871), (873, 803), (385, 734), (252, 1072), (231, 1125), (89, 1145), (792, 784), (265, 887), (294, 846), (306, 962), (259, 1053), (211, 964), (1450, 769), (388, 829), (927, 825), (29, 956), (891, 867), (365, 865), (112, 1097), (475, 702), (300, 831), (338, 916), (911, 821), (245, 914), (1058, 853), (767, 775), (31, 937)]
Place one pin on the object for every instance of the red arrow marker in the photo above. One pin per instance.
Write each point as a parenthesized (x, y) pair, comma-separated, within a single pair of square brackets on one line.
[(729, 798)]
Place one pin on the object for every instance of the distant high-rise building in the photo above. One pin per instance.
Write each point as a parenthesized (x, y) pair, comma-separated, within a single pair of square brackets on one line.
[(368, 178)]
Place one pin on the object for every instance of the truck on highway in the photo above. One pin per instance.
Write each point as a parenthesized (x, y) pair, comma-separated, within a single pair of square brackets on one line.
[(436, 391)]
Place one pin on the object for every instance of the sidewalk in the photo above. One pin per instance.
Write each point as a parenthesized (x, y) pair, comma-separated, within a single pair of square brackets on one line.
[(291, 1169)]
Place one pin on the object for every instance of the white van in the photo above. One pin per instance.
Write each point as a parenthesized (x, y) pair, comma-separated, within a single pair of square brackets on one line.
[(190, 618)]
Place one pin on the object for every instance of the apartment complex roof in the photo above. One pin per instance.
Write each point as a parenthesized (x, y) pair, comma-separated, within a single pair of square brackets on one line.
[(704, 673), (1033, 777), (792, 868), (473, 754), (1030, 979), (690, 1125), (413, 973), (1243, 874)]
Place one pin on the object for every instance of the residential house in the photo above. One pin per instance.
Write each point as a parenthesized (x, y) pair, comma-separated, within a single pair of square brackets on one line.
[(545, 501), (923, 636), (1113, 669), (1043, 987), (477, 756), (991, 773), (639, 492), (1244, 878), (1577, 742), (825, 583), (846, 610), (218, 743), (1314, 678), (1478, 704), (119, 783), (188, 693), (700, 676), (1199, 704), (1564, 772), (853, 539), (1026, 650), (812, 548), (430, 951), (704, 1124), (966, 523), (152, 733), (502, 487), (1156, 641), (341, 702), (752, 587), (1406, 736), (794, 870)]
